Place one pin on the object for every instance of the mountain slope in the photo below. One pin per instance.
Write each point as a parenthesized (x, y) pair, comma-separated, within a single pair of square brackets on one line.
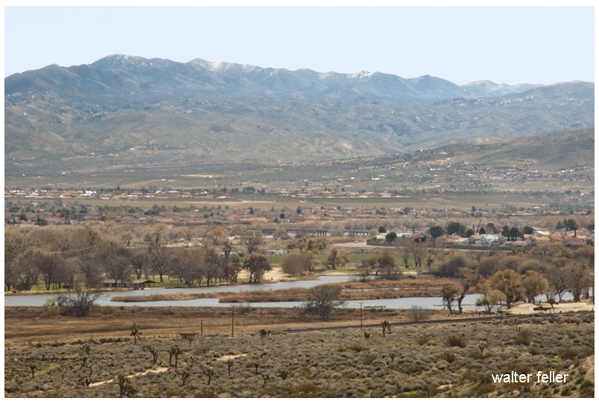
[(121, 79), (129, 112)]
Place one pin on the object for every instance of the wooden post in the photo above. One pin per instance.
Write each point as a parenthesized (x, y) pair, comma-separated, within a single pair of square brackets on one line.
[(202, 327), (360, 315), (233, 321)]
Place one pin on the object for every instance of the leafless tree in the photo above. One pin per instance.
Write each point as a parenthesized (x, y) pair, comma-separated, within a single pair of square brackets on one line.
[(80, 302), (577, 279), (296, 263), (252, 240), (323, 299), (418, 314), (468, 279)]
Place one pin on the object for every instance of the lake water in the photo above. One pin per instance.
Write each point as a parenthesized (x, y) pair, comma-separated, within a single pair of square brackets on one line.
[(105, 299)]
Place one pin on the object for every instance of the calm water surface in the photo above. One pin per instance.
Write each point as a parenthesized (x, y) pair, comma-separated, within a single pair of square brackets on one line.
[(105, 299)]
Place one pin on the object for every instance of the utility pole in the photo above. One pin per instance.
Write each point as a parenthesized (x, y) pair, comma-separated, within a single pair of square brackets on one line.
[(360, 315), (202, 328), (233, 321)]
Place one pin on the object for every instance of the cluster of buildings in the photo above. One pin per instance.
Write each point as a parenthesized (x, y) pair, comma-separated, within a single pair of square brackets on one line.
[(540, 237)]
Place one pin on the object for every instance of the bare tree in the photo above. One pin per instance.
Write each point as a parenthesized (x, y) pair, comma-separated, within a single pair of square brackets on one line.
[(468, 279), (49, 266), (140, 263), (27, 271), (119, 268), (80, 302), (323, 299), (557, 281), (280, 233), (448, 294), (418, 314), (252, 240), (296, 263), (257, 265), (577, 279), (404, 248), (419, 252)]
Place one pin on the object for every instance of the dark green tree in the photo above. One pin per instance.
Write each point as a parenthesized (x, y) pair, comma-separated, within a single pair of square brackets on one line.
[(436, 231)]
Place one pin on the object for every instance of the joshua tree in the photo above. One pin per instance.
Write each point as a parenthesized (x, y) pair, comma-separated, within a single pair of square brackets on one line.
[(265, 377), (386, 326), (283, 373), (33, 366), (184, 375), (209, 372), (264, 333), (254, 364), (125, 387), (229, 364), (86, 349), (482, 347), (175, 351), (151, 350), (392, 356), (135, 332), (366, 334)]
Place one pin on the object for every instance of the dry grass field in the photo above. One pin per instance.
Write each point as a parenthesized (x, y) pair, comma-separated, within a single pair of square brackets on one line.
[(48, 356)]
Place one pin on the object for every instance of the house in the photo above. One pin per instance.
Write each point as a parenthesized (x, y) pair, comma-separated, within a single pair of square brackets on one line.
[(492, 239)]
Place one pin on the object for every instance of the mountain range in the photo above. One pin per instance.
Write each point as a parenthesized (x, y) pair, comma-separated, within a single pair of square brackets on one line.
[(123, 111)]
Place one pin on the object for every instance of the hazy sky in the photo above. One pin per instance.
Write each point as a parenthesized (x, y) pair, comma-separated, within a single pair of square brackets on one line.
[(510, 45)]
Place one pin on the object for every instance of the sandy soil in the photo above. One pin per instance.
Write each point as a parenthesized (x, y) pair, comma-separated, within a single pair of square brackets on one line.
[(159, 370), (274, 275), (227, 357), (527, 308)]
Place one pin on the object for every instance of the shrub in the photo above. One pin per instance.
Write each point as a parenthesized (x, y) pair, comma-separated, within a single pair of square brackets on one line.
[(354, 347), (456, 340), (418, 314), (205, 394), (423, 339), (568, 353), (587, 389), (448, 356), (566, 392), (368, 359), (523, 337)]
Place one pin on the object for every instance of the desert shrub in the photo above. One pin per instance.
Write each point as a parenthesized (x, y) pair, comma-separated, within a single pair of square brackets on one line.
[(479, 355), (354, 347), (587, 389), (566, 391), (570, 320), (423, 339), (523, 337), (482, 389), (205, 394), (412, 369), (368, 359), (568, 353), (534, 350), (456, 340), (102, 309), (449, 357), (418, 314), (201, 350)]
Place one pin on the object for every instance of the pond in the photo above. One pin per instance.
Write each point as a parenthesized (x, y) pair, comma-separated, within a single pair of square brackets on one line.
[(401, 303)]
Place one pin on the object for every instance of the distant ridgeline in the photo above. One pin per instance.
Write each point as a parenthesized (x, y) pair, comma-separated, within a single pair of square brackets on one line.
[(131, 112)]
